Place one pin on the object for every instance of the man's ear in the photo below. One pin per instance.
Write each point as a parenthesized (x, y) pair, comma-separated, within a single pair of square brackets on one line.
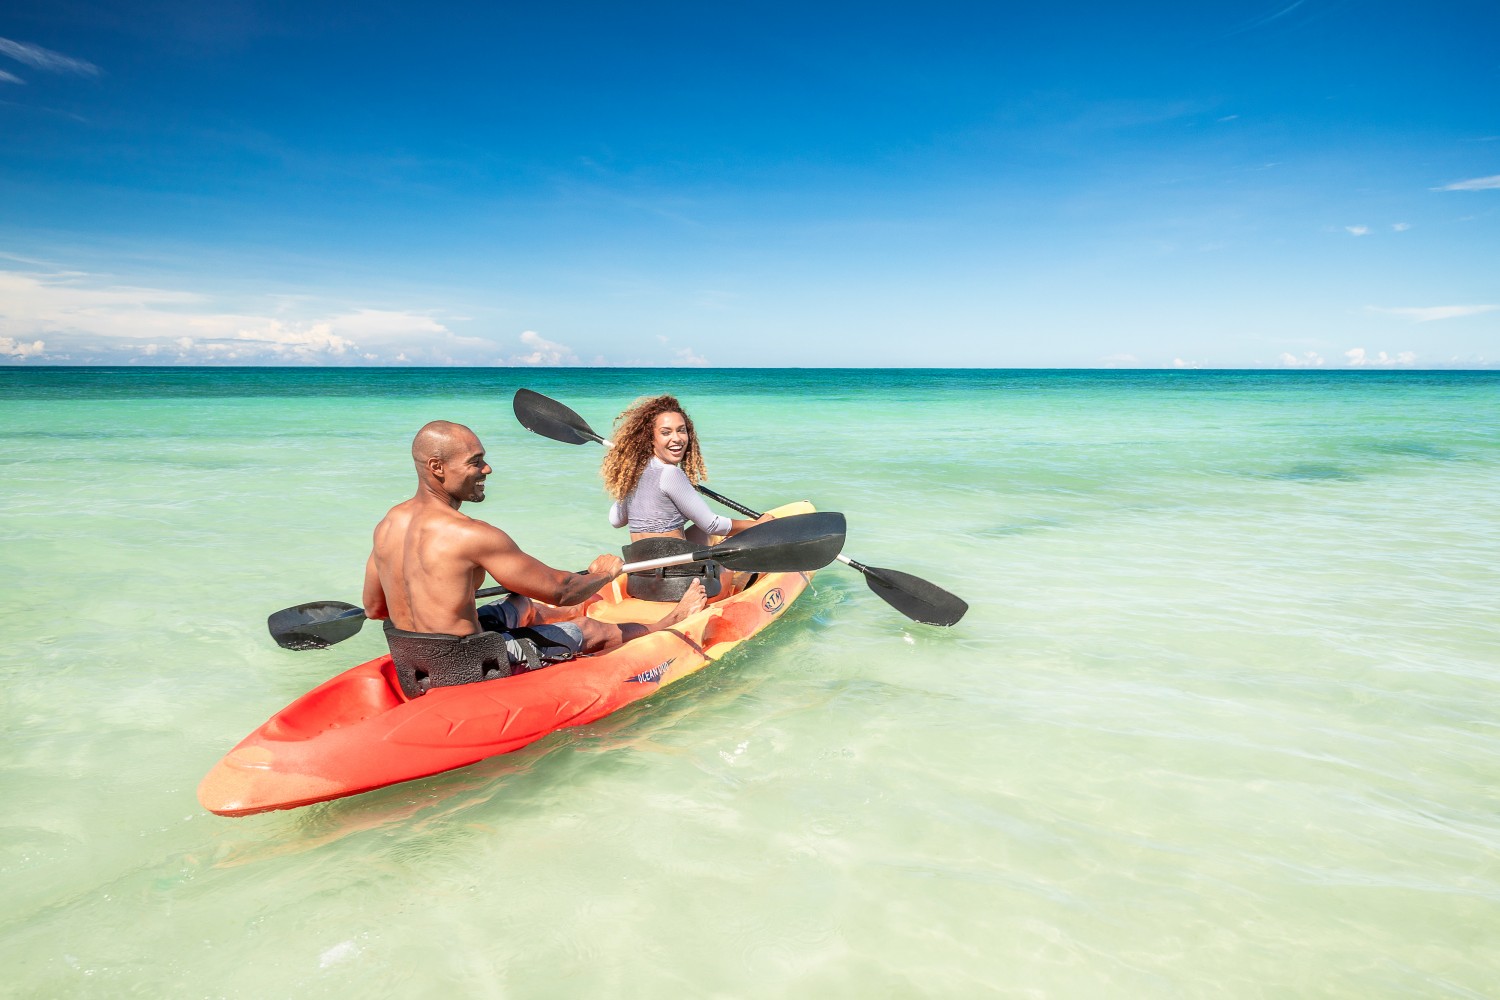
[(435, 467)]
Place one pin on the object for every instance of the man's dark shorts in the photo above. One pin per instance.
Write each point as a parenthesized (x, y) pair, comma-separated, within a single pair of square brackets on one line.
[(560, 641)]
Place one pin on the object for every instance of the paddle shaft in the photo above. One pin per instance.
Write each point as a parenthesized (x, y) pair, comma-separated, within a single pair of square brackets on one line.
[(635, 567), (485, 592), (740, 508), (650, 564)]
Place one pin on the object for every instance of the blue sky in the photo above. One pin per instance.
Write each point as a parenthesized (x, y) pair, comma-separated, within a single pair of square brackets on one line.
[(1241, 184)]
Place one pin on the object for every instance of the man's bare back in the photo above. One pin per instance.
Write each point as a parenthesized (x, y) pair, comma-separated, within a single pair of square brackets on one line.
[(428, 558)]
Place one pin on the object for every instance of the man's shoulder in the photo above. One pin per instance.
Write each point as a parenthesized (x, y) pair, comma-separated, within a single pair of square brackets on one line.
[(395, 517), (473, 528)]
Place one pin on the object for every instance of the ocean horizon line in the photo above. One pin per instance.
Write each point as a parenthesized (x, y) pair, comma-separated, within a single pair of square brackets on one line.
[(1354, 370)]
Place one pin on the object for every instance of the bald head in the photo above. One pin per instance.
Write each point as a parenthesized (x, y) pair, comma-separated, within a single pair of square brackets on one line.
[(450, 459), (442, 439)]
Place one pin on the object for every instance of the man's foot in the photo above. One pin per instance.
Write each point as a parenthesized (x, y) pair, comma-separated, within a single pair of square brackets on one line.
[(692, 602)]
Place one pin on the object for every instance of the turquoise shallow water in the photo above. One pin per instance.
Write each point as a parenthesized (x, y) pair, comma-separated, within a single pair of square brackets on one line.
[(1222, 720)]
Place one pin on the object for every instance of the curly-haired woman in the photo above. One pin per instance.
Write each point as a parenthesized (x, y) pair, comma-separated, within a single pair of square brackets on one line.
[(651, 471)]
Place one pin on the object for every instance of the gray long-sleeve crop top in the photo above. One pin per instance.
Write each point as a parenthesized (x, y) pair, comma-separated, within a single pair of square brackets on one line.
[(664, 500)]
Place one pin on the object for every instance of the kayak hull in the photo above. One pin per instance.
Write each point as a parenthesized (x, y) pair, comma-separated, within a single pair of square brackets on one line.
[(358, 731)]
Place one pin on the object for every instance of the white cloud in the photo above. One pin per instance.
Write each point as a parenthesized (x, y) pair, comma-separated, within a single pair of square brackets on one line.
[(1473, 184), (1427, 314), (685, 358), (1357, 230), (12, 348), (681, 357), (544, 352), (46, 59), (1120, 361), (383, 324), (296, 341), (1311, 359), (1180, 363), (9, 77), (85, 319), (1358, 358), (1400, 227)]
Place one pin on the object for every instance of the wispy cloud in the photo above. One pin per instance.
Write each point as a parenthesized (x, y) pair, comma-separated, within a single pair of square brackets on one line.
[(1355, 357), (10, 77), (685, 358), (1400, 227), (1357, 230), (59, 316), (544, 352), (1428, 314), (50, 315), (1473, 184), (1283, 12), (45, 59), (1358, 357), (1261, 22), (274, 342), (682, 357)]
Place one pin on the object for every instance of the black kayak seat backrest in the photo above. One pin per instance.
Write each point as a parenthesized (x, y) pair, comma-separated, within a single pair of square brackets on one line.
[(668, 583), (426, 660)]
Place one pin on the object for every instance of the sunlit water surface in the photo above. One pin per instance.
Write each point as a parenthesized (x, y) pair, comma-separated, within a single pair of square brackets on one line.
[(1223, 719)]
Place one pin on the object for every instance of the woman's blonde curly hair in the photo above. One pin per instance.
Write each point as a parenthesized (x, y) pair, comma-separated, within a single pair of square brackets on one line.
[(624, 463)]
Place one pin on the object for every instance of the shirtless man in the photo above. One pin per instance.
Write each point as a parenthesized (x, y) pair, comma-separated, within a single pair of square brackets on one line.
[(428, 559)]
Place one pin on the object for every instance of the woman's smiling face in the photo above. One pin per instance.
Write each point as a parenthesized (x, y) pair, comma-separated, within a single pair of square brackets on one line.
[(669, 438)]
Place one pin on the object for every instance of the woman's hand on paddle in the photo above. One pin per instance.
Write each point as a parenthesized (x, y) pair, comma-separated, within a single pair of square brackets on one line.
[(737, 525)]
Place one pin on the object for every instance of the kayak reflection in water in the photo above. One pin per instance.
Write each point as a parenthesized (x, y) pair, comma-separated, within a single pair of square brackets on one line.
[(651, 473), (428, 559)]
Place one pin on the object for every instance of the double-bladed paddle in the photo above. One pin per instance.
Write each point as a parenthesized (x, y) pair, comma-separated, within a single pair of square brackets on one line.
[(799, 543), (320, 624), (917, 599)]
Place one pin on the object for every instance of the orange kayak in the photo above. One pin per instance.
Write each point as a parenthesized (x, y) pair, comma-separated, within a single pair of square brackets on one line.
[(358, 731)]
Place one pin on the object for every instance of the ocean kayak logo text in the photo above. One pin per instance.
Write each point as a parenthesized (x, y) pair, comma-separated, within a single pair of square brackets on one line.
[(652, 676), (773, 601)]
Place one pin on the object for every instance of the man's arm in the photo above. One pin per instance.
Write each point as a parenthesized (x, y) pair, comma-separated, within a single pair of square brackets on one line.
[(374, 596), (522, 574)]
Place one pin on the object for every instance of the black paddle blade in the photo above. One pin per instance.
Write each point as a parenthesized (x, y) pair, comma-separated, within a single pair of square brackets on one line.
[(315, 625), (793, 544), (914, 597), (551, 419)]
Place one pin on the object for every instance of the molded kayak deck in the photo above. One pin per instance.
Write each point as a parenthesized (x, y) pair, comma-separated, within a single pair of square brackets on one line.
[(358, 731)]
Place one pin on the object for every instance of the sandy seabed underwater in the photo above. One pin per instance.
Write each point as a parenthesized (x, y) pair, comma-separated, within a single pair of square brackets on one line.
[(1223, 719)]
